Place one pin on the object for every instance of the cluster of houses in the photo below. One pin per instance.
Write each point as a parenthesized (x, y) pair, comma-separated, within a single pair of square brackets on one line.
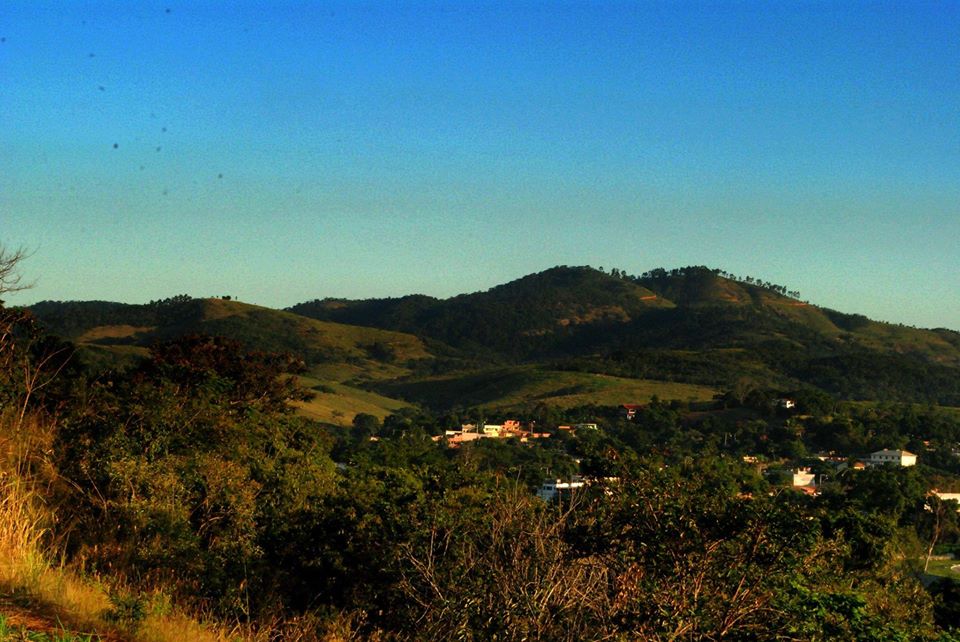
[(803, 480), (509, 429), (806, 481)]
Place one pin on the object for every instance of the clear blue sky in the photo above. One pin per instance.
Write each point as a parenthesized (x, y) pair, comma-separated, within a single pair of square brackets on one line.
[(280, 152)]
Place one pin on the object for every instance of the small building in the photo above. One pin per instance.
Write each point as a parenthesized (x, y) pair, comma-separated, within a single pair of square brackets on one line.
[(802, 477), (630, 409), (947, 496), (891, 457), (786, 404), (534, 435), (554, 488)]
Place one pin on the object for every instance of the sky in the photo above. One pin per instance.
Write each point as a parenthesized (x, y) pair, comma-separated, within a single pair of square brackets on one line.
[(279, 152)]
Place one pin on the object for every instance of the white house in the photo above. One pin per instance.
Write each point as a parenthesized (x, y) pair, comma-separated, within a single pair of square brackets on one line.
[(803, 477), (947, 496), (554, 487), (893, 457)]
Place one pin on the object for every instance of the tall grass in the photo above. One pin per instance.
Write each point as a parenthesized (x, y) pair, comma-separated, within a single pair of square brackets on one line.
[(32, 569), (22, 513)]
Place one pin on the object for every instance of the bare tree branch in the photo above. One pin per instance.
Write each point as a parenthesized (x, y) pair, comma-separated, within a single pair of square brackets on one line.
[(10, 278)]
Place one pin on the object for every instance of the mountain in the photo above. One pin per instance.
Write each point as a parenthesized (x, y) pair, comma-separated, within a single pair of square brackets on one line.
[(695, 325), (565, 335), (576, 309), (336, 356), (105, 324), (531, 315)]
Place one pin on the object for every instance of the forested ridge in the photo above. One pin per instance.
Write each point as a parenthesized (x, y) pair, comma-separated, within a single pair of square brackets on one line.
[(693, 325)]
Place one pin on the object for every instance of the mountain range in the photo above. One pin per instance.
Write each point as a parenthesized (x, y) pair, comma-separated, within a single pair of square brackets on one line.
[(567, 335)]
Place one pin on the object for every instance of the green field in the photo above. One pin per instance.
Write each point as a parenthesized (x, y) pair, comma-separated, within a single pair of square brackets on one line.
[(943, 568), (338, 403), (521, 386)]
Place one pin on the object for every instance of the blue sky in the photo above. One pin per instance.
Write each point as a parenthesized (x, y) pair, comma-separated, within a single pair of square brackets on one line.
[(280, 152)]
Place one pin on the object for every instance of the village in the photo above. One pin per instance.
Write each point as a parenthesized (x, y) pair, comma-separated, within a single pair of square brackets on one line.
[(806, 479)]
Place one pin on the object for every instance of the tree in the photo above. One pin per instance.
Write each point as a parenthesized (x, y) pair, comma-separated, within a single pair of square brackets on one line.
[(29, 360), (365, 425), (938, 518), (10, 277)]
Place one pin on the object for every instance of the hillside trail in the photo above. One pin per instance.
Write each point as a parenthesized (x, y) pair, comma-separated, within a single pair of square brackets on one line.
[(38, 619)]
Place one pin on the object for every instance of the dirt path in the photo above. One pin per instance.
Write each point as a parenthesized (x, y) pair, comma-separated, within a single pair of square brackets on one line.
[(35, 618)]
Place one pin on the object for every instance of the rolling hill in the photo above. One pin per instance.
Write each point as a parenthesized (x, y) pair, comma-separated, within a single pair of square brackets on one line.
[(95, 323), (111, 334), (692, 325), (567, 335)]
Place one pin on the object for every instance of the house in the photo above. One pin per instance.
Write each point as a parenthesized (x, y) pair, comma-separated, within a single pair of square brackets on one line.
[(802, 477), (463, 437), (786, 404), (585, 426), (630, 409), (947, 496), (857, 465), (892, 457), (553, 488)]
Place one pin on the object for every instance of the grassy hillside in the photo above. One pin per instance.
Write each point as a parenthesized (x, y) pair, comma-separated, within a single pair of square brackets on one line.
[(692, 325), (338, 403), (529, 316), (124, 330), (524, 386), (669, 325), (334, 352)]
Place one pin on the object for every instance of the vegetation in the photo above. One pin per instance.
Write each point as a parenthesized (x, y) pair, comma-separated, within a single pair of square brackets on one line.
[(692, 325), (186, 481)]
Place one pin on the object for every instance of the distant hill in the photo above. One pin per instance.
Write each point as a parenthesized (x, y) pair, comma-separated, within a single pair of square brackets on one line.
[(694, 325), (529, 316), (113, 334), (105, 324)]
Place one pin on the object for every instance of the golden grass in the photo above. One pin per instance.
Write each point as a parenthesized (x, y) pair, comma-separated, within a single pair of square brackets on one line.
[(344, 403), (517, 387), (27, 556), (112, 332)]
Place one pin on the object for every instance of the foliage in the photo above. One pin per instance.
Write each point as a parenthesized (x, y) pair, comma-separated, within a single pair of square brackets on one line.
[(190, 473), (186, 463)]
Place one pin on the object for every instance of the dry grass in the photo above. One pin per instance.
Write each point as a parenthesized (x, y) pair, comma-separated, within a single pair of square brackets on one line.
[(27, 554)]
